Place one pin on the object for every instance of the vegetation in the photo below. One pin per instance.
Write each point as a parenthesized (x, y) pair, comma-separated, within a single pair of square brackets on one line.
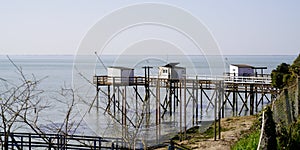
[(280, 75), (288, 137), (285, 74), (249, 139)]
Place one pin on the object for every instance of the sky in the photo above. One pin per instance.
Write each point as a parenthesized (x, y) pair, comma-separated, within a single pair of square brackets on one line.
[(57, 27)]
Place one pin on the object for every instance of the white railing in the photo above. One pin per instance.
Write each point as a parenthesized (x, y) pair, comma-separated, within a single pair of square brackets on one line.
[(241, 79), (233, 79), (226, 79)]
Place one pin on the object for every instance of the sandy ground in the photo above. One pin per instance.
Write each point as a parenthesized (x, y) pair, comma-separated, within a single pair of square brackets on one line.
[(234, 126)]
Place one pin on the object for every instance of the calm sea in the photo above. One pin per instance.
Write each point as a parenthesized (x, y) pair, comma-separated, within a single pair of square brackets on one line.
[(58, 70), (73, 71)]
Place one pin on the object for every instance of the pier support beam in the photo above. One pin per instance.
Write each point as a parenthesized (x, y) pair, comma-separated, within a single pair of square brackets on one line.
[(251, 100)]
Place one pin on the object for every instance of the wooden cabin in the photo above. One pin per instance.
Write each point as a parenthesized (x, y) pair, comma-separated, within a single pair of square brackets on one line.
[(120, 75), (246, 70), (241, 70), (171, 71)]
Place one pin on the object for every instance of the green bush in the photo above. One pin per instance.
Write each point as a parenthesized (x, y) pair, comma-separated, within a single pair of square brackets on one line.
[(285, 74), (279, 75)]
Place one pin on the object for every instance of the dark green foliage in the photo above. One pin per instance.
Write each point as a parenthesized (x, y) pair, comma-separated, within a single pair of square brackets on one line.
[(295, 135), (285, 74), (283, 136), (277, 79), (289, 137), (280, 75), (283, 68), (286, 78), (295, 67)]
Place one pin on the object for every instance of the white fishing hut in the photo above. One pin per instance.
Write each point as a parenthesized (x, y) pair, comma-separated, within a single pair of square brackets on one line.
[(241, 70), (246, 70), (172, 71), (120, 75)]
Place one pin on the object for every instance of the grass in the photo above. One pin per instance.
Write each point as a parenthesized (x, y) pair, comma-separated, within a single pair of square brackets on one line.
[(249, 141)]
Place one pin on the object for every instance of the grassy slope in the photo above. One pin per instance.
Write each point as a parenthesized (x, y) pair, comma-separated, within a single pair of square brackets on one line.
[(233, 129)]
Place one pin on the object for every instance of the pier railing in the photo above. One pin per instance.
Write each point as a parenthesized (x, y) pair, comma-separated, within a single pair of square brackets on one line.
[(241, 79), (56, 141), (139, 80), (107, 80)]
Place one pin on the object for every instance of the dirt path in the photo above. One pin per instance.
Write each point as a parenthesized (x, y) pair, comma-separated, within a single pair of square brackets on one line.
[(233, 126)]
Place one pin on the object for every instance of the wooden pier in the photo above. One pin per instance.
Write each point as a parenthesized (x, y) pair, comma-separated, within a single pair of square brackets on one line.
[(187, 99)]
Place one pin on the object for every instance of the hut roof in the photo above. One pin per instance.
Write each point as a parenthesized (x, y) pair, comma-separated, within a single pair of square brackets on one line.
[(243, 66), (173, 65), (248, 66), (119, 67)]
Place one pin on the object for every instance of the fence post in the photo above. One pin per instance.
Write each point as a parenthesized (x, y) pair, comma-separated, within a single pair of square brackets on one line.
[(215, 110), (65, 142), (221, 101), (112, 146), (58, 141), (49, 147), (251, 99), (29, 141), (95, 144), (12, 142), (22, 141), (100, 143)]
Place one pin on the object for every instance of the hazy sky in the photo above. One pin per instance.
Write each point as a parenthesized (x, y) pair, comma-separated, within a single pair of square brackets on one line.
[(238, 26)]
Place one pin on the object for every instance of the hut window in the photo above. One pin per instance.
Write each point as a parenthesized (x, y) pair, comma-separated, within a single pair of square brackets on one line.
[(165, 71)]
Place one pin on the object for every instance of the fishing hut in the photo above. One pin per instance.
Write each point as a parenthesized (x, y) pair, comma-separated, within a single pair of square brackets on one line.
[(172, 72), (120, 75), (241, 70), (245, 70)]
